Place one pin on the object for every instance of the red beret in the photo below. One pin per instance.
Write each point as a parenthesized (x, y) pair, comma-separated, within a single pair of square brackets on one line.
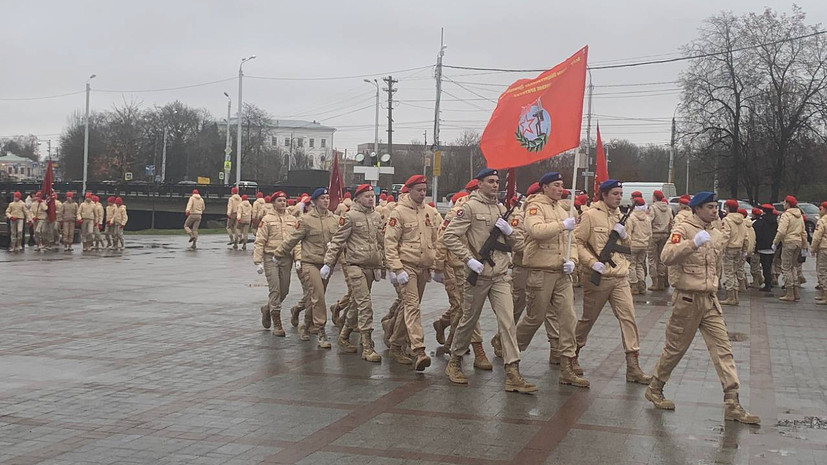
[(431, 203), (658, 194), (291, 202), (70, 195), (639, 201), (360, 189), (404, 190), (684, 201), (566, 193), (731, 203), (244, 197), (95, 198), (278, 194), (462, 194), (637, 194), (195, 191), (17, 195), (757, 211), (383, 196), (118, 200), (267, 199), (743, 211), (234, 190), (110, 199), (347, 195), (259, 195), (823, 204), (583, 198), (88, 195), (472, 185), (416, 179), (532, 189), (577, 202), (791, 200), (390, 198)]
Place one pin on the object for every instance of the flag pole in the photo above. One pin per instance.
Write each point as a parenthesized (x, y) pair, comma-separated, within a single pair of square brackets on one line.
[(571, 201)]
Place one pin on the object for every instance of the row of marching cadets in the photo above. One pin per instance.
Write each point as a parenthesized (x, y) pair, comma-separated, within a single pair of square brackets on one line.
[(470, 251)]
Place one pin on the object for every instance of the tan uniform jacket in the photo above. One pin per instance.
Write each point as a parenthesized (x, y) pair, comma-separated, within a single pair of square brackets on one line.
[(694, 269), (546, 238), (58, 205), (360, 237), (195, 205), (818, 235), (274, 229), (443, 257), (98, 212), (791, 229), (411, 235), (735, 231), (244, 213), (593, 230), (750, 235), (39, 211), (639, 228), (517, 220), (68, 211), (257, 206), (119, 216), (110, 212), (683, 215), (343, 207), (661, 215), (313, 230), (474, 222), (86, 211), (232, 205)]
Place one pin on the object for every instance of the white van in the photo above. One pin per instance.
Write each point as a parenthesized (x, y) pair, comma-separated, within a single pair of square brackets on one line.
[(647, 189)]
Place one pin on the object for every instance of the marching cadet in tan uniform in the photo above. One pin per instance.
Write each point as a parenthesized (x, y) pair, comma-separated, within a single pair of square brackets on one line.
[(742, 263), (640, 232), (244, 217), (792, 234), (819, 250), (464, 237), (273, 229), (18, 215), (755, 257), (549, 292), (108, 212), (119, 219), (684, 211), (314, 230), (232, 217), (519, 273), (592, 233), (360, 238), (68, 217), (735, 247), (344, 302), (393, 323), (344, 205), (86, 215), (661, 216), (450, 271), (257, 213), (195, 208), (54, 226), (40, 217), (96, 230), (410, 251), (695, 253)]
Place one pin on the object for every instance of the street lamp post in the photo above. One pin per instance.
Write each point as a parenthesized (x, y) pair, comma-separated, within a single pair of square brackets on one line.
[(376, 118), (86, 134), (238, 121), (227, 149)]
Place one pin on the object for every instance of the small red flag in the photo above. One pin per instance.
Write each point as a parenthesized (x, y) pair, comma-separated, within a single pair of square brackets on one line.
[(336, 183), (601, 170), (46, 191), (537, 118)]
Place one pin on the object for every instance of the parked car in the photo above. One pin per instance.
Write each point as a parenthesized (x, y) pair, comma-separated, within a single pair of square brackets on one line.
[(741, 204), (647, 189), (812, 214)]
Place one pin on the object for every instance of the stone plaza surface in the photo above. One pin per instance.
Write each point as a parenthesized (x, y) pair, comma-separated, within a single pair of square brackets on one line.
[(157, 355)]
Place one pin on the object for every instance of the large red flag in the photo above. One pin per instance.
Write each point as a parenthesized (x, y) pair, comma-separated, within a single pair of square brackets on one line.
[(537, 118), (601, 170), (46, 191), (336, 183)]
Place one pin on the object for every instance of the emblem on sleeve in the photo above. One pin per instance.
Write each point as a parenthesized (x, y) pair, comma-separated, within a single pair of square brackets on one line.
[(532, 211), (676, 238), (341, 221), (298, 224), (392, 222), (515, 222), (460, 212)]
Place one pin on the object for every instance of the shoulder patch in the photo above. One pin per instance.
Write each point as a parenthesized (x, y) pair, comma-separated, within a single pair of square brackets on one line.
[(341, 221), (460, 212), (676, 238), (532, 211), (298, 224), (392, 222), (446, 223), (515, 222)]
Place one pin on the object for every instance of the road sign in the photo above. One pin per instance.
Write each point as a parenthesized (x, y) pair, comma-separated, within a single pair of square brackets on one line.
[(228, 151), (228, 165), (150, 170), (203, 180), (588, 174), (127, 176), (158, 178), (221, 175), (437, 163)]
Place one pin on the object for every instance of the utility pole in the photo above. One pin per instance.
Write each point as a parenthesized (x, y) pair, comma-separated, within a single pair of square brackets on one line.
[(591, 162), (238, 121), (86, 135), (442, 47), (164, 159), (672, 154), (227, 149), (390, 81), (425, 153), (49, 145)]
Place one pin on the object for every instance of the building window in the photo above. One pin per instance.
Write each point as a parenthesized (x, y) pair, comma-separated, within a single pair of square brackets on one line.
[(287, 142), (300, 142), (312, 142), (323, 143), (274, 141)]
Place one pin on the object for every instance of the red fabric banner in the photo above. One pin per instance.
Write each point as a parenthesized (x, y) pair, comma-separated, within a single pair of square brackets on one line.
[(336, 184), (537, 118), (46, 191)]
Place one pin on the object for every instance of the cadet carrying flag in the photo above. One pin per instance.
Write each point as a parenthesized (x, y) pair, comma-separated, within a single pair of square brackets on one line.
[(537, 118), (336, 183)]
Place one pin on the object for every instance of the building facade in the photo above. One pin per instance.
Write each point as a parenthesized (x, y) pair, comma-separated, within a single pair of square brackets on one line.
[(306, 140), (20, 168)]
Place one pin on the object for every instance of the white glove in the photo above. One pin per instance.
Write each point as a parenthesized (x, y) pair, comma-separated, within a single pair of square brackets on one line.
[(701, 238), (774, 247), (402, 278), (599, 267), (503, 226), (393, 279), (439, 277), (620, 230), (325, 272), (377, 274), (300, 206), (475, 265), (569, 223), (298, 265), (260, 269), (568, 267)]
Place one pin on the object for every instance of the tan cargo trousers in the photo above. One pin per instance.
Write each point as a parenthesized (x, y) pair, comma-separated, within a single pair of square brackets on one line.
[(617, 292), (656, 267), (455, 288), (498, 291), (549, 301), (732, 263), (411, 314), (191, 226), (692, 312), (316, 287), (360, 311), (278, 280), (789, 264), (821, 269)]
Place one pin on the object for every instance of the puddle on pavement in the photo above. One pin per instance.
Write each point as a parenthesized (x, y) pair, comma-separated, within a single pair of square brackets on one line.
[(737, 337), (807, 422)]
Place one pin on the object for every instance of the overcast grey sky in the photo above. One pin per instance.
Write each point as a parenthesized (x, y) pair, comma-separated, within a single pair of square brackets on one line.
[(51, 47)]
